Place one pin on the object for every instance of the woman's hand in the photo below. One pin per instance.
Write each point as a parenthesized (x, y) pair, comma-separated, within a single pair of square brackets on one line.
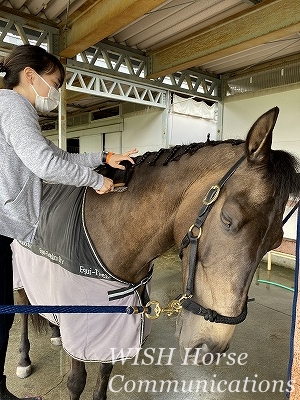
[(115, 159), (108, 186)]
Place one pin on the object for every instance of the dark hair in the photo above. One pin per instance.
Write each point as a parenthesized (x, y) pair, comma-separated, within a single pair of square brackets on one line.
[(34, 57)]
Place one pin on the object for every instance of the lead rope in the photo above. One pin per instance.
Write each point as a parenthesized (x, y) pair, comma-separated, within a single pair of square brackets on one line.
[(29, 309)]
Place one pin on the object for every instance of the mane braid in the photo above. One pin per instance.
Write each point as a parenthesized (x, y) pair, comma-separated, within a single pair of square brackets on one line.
[(176, 152), (139, 160), (172, 154), (283, 168), (156, 157)]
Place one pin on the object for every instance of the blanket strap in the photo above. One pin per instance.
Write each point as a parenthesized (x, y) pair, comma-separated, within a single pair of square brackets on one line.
[(126, 291)]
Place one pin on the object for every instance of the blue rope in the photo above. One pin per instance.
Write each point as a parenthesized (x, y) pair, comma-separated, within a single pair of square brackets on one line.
[(294, 307), (26, 309)]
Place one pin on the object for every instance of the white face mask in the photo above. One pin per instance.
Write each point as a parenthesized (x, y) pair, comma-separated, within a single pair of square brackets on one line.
[(49, 103)]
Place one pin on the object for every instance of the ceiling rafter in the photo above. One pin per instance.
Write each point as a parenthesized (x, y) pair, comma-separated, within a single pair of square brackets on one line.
[(99, 21), (272, 19), (32, 20)]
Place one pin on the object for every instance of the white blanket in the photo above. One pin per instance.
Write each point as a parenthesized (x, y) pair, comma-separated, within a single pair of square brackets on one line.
[(86, 337)]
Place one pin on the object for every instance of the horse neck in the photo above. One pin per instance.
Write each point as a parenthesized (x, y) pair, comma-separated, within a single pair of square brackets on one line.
[(138, 225)]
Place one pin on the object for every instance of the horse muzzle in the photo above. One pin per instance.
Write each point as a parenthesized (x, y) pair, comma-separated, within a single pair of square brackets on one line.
[(200, 341)]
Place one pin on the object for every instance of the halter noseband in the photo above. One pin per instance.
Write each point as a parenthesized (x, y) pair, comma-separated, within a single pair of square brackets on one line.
[(192, 239)]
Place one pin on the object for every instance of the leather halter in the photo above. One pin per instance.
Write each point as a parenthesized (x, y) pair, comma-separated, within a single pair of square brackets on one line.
[(192, 239)]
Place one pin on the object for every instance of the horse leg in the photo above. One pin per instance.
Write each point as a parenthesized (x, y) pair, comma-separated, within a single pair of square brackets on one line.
[(100, 390), (76, 379), (55, 334), (24, 365)]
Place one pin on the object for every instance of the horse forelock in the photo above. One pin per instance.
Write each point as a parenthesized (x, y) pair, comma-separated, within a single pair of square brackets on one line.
[(283, 172)]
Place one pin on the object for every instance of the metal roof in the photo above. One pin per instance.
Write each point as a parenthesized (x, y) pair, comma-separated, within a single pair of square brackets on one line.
[(152, 25), (215, 36)]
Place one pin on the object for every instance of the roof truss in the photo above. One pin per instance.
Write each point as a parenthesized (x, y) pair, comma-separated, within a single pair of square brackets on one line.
[(119, 61)]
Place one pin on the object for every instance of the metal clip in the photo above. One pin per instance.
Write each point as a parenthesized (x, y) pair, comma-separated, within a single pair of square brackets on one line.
[(192, 228), (173, 307), (184, 297)]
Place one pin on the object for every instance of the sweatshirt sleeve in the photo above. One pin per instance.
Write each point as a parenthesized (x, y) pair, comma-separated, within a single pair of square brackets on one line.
[(22, 132), (91, 160)]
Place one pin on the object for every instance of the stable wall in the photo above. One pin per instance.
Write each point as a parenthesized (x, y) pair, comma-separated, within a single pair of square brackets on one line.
[(241, 111), (147, 129)]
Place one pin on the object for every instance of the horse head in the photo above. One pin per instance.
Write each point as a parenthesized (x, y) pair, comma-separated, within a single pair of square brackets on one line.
[(243, 222)]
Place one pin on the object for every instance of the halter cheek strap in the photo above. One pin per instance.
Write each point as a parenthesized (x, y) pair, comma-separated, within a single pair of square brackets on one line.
[(192, 239)]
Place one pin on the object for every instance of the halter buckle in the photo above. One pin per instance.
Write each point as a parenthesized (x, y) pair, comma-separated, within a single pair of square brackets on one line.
[(212, 195)]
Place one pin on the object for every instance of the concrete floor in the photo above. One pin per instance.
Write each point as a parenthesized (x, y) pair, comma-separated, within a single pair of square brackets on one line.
[(264, 336)]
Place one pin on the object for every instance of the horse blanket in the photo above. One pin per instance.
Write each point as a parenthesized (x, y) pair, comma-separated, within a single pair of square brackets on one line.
[(62, 267)]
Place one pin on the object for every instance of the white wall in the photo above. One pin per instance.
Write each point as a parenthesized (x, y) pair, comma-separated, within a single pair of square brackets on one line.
[(113, 142), (152, 129), (90, 135), (145, 130), (90, 143), (241, 111)]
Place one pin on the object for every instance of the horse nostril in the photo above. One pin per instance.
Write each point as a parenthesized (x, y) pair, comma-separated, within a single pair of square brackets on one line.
[(198, 355), (204, 348), (202, 354)]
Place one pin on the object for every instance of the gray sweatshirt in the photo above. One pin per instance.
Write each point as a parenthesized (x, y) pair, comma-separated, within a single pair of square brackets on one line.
[(26, 159)]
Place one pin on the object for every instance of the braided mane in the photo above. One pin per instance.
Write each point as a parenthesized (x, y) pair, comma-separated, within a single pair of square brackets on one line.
[(173, 154), (176, 152), (282, 171)]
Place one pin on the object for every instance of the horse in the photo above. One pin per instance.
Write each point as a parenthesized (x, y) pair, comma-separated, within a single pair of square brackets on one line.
[(221, 203)]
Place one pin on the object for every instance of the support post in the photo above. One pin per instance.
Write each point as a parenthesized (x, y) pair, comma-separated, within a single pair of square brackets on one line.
[(62, 118)]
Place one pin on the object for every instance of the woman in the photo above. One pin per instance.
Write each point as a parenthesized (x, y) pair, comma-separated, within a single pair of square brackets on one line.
[(32, 79)]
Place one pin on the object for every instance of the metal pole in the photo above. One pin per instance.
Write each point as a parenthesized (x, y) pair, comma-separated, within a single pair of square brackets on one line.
[(62, 118)]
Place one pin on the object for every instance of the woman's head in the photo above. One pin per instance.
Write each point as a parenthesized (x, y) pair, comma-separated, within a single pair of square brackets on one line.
[(34, 57)]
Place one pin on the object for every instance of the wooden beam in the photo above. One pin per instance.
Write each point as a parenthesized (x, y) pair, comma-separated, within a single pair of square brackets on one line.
[(268, 21), (100, 20)]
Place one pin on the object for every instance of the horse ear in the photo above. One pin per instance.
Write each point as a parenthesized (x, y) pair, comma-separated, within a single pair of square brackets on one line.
[(259, 138)]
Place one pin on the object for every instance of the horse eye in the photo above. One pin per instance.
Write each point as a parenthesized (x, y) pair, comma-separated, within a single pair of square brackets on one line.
[(226, 220)]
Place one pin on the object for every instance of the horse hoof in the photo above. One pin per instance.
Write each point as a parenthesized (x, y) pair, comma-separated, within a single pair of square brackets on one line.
[(56, 341), (23, 372)]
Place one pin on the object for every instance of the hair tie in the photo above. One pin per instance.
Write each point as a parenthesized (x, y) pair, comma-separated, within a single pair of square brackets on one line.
[(3, 68)]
